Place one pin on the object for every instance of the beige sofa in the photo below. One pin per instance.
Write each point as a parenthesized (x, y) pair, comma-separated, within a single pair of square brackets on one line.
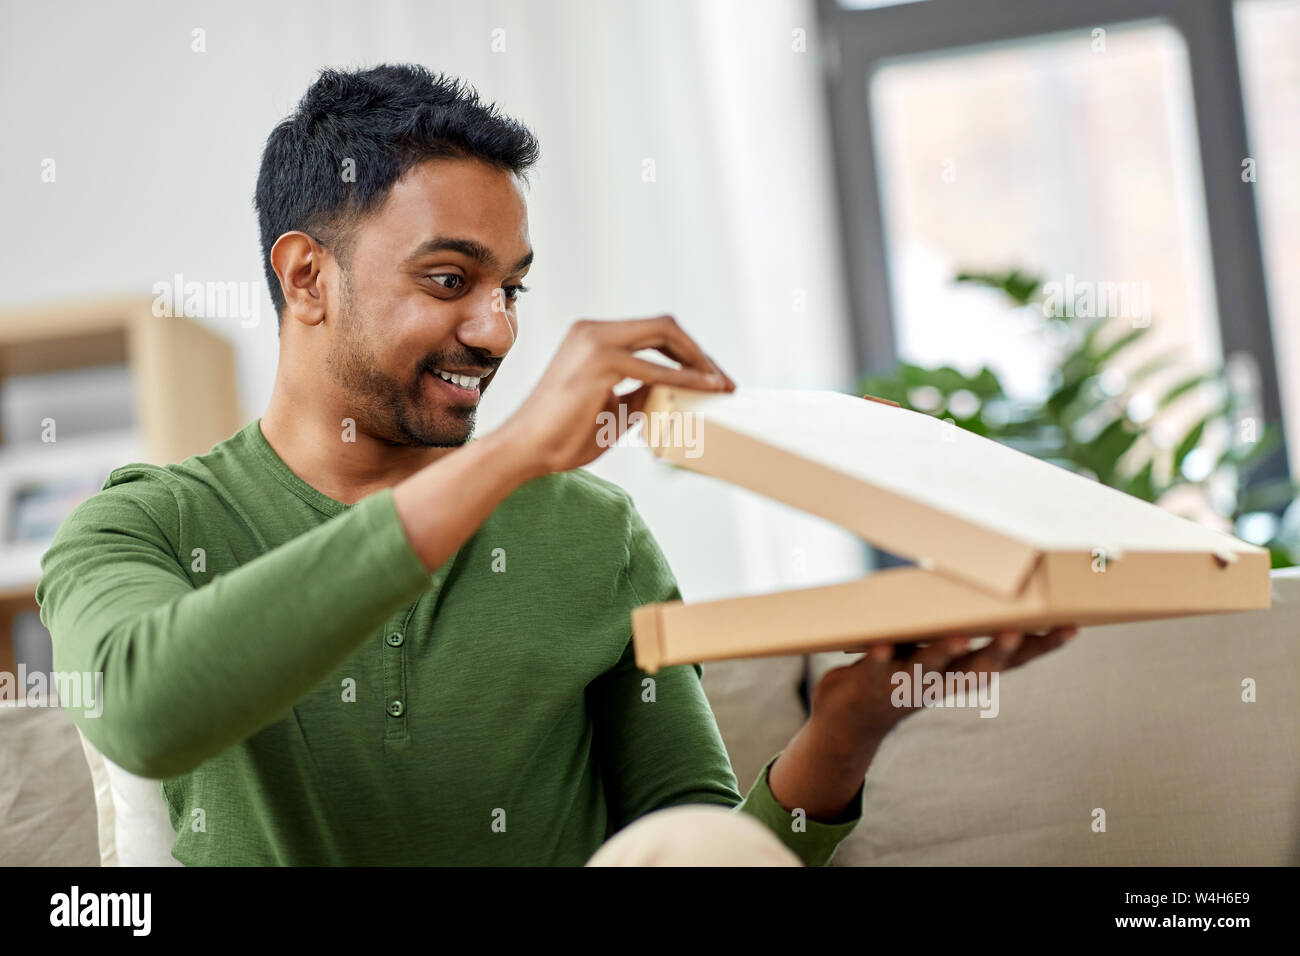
[(1134, 744)]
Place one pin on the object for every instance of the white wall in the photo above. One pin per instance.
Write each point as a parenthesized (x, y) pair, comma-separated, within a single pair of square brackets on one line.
[(157, 150)]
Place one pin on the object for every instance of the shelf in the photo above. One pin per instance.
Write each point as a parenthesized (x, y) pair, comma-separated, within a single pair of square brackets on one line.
[(179, 383)]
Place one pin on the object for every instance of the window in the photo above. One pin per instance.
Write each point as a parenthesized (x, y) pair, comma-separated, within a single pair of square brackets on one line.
[(1071, 157), (1268, 35), (1100, 143)]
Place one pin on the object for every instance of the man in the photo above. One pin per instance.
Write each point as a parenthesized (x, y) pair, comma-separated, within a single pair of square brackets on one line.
[(351, 635)]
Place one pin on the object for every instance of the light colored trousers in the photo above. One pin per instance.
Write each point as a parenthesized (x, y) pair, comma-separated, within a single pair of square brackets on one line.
[(694, 836)]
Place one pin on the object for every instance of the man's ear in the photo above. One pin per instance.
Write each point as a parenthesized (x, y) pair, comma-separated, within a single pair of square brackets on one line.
[(297, 259)]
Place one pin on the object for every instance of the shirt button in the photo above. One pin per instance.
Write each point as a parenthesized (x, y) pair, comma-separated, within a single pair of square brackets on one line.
[(395, 639), (396, 708)]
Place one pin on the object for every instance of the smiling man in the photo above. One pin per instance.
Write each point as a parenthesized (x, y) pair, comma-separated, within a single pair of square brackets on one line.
[(349, 634)]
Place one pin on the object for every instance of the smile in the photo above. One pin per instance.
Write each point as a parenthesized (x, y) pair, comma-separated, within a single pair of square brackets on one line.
[(459, 389), (464, 381)]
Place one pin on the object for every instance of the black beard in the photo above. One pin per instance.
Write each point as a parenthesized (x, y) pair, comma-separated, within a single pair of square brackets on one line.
[(386, 408)]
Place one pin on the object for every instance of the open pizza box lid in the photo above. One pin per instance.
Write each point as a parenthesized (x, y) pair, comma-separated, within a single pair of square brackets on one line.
[(999, 538)]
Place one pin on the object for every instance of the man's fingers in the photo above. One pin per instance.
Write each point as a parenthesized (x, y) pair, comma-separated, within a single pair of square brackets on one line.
[(628, 365), (711, 364), (659, 332), (993, 656), (1036, 645), (1007, 649), (634, 400), (1011, 649), (936, 655)]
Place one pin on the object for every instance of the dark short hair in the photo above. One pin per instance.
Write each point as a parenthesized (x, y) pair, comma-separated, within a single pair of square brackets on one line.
[(386, 119)]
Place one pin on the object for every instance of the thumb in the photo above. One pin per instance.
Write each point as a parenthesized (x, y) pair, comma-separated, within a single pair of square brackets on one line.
[(634, 400)]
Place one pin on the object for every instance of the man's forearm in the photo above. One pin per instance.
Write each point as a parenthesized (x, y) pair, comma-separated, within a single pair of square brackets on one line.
[(818, 774), (442, 505), (188, 672)]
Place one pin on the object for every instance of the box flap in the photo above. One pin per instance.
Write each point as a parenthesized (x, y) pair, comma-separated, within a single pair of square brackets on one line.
[(946, 498)]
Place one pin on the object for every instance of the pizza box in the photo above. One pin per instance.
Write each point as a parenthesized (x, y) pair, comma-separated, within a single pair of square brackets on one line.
[(998, 539)]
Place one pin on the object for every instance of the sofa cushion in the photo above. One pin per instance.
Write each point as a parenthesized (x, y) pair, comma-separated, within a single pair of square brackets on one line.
[(134, 825), (1145, 722), (47, 804), (756, 704), (758, 709)]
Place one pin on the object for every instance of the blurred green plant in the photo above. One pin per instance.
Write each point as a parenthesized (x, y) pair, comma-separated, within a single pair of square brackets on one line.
[(1107, 423)]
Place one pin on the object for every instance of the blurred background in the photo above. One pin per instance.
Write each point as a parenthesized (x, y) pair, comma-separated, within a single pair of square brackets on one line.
[(1072, 225)]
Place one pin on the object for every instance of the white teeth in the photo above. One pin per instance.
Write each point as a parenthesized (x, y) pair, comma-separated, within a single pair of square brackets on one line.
[(464, 381)]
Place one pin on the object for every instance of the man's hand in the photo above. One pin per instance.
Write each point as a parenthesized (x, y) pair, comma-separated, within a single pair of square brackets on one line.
[(853, 703), (852, 711), (556, 428)]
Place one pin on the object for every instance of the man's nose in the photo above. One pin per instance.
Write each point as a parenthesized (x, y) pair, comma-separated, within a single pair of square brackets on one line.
[(491, 326)]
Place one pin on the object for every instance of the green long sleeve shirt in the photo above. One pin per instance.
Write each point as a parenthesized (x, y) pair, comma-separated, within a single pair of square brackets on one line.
[(309, 694)]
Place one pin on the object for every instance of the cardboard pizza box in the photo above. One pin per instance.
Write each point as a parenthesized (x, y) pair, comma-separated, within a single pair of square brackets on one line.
[(999, 539)]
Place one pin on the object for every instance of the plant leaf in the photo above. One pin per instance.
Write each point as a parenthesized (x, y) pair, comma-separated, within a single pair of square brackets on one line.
[(1267, 496), (1246, 457), (1141, 485), (1103, 453), (1191, 440), (1018, 286), (1185, 386), (1113, 348)]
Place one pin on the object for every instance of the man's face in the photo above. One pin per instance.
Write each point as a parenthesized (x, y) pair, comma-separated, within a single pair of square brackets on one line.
[(429, 289)]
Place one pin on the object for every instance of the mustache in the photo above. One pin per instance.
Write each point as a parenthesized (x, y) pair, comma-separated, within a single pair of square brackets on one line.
[(461, 361)]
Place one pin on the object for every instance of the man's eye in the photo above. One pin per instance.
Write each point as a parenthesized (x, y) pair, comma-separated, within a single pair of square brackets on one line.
[(445, 275), (514, 291)]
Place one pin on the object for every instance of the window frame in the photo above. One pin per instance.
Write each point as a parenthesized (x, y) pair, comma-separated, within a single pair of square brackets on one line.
[(858, 41)]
